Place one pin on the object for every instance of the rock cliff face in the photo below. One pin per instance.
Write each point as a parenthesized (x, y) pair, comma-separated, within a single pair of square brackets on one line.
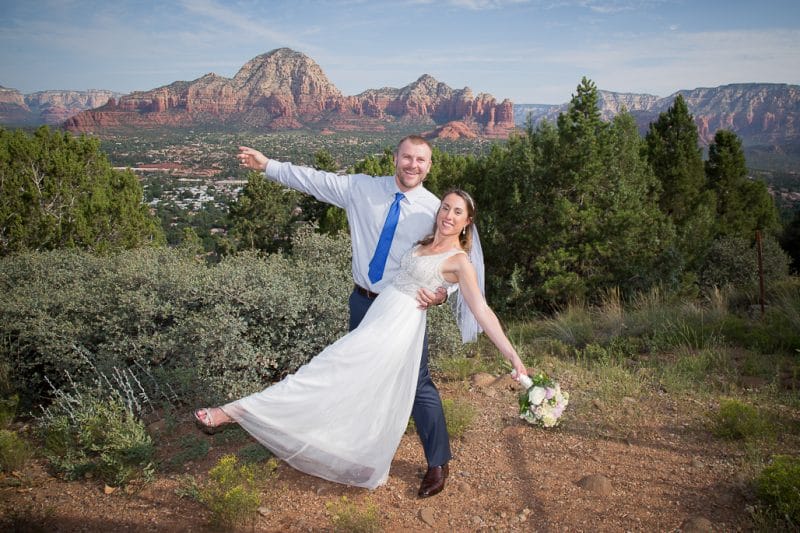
[(13, 109), (47, 107), (285, 89), (54, 107), (759, 113), (764, 113)]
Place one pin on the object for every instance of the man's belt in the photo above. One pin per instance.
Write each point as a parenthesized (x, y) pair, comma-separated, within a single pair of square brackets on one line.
[(365, 293)]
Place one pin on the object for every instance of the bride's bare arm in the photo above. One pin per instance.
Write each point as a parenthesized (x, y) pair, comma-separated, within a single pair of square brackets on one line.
[(458, 268)]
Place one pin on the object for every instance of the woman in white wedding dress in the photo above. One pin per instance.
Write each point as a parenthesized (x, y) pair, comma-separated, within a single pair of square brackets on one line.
[(341, 416)]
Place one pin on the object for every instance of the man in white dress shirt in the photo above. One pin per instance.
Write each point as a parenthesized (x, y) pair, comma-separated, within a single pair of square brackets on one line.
[(367, 200)]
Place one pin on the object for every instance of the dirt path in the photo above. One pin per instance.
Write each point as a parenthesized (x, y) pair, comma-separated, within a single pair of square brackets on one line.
[(505, 476)]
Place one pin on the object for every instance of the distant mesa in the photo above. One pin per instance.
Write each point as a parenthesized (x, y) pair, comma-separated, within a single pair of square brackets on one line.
[(285, 89), (761, 114), (48, 107)]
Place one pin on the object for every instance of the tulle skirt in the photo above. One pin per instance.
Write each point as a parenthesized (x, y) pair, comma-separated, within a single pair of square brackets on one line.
[(341, 416)]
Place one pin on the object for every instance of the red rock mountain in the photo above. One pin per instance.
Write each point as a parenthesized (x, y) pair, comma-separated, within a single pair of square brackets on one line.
[(285, 89)]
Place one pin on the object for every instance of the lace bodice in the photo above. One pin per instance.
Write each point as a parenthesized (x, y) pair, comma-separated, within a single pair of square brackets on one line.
[(421, 271)]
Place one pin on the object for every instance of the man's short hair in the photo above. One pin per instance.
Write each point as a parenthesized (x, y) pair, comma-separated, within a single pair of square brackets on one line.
[(413, 139)]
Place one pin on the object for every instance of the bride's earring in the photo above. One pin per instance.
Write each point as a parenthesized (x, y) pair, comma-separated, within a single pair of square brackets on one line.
[(464, 230)]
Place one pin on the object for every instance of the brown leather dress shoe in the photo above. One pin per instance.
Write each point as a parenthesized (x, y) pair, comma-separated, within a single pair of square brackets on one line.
[(433, 482)]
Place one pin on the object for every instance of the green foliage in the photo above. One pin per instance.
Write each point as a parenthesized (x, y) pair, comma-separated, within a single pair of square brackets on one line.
[(734, 260), (696, 371), (444, 337), (573, 326), (264, 215), (188, 488), (373, 165), (743, 205), (329, 218), (222, 331), (253, 453), (775, 334), (673, 151), (790, 241), (192, 447), (459, 416), (87, 431), (448, 171), (569, 211), (59, 191), (346, 516), (694, 330), (8, 410), (14, 451), (459, 368), (232, 493), (778, 486), (736, 420)]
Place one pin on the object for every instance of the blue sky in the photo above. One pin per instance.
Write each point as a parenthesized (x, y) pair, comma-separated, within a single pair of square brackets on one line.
[(531, 51)]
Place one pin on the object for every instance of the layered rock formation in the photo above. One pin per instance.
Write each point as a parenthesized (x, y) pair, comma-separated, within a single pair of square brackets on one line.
[(13, 109), (48, 107), (764, 113), (54, 107), (759, 113), (285, 89)]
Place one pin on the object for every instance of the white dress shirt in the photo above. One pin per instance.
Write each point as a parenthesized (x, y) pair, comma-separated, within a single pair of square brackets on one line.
[(366, 200)]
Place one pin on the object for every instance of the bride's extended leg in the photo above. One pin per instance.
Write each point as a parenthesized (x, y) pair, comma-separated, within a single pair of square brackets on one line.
[(211, 419)]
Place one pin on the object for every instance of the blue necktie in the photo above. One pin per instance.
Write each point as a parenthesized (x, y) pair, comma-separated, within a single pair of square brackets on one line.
[(378, 262)]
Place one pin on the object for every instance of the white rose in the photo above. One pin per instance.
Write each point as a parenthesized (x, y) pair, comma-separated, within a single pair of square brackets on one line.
[(537, 395)]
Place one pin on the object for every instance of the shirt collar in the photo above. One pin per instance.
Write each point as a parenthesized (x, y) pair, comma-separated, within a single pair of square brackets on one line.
[(412, 195)]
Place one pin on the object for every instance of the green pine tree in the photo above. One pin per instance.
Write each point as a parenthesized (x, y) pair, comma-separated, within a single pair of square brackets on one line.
[(674, 153), (60, 191), (743, 205), (264, 215)]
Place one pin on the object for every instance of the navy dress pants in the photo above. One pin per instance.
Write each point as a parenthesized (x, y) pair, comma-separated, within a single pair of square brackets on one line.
[(427, 409)]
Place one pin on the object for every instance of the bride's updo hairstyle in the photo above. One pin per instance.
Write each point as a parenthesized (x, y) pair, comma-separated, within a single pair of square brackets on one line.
[(465, 237)]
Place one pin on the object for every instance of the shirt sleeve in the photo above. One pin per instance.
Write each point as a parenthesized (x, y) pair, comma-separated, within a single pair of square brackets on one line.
[(327, 187)]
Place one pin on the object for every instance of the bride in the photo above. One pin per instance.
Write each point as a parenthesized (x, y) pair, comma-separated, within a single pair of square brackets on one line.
[(341, 416)]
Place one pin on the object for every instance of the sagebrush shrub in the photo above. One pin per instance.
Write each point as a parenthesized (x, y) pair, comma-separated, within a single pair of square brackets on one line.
[(88, 431), (734, 261), (236, 326)]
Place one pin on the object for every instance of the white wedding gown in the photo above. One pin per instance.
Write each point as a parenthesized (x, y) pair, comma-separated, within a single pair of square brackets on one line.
[(341, 416)]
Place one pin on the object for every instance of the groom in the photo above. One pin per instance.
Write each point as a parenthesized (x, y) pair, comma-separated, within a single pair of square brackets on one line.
[(387, 215)]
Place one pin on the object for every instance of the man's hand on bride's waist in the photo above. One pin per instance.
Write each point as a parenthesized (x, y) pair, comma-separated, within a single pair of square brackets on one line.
[(427, 298)]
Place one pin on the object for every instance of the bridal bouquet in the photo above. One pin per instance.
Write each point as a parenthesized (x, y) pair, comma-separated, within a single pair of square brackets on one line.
[(543, 401)]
